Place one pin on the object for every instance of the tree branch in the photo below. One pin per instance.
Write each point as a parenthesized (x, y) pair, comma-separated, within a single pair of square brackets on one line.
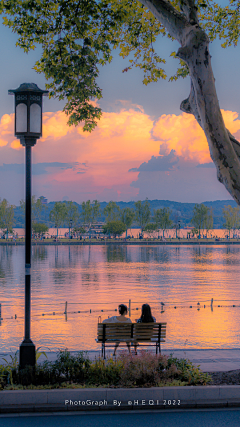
[(190, 11), (174, 21), (202, 101), (189, 105)]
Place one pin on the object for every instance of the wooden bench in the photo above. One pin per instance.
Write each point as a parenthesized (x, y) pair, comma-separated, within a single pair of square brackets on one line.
[(140, 334)]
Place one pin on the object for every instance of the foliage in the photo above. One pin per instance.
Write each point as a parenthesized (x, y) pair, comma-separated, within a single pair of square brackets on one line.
[(115, 228), (90, 212), (79, 230), (232, 217), (145, 370), (127, 217), (58, 214), (150, 228), (40, 353), (105, 372), (162, 218), (188, 372), (209, 220), (112, 211), (39, 229), (6, 216), (142, 213), (96, 211), (201, 216), (37, 207), (72, 212), (78, 37)]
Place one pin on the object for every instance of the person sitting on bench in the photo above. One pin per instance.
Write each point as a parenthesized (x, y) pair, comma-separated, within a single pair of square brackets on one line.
[(146, 317), (122, 308)]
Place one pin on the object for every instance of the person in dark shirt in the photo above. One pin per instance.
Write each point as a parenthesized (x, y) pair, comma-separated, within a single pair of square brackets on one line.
[(146, 316)]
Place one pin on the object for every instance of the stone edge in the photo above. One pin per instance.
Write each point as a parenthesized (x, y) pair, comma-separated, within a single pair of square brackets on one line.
[(16, 401)]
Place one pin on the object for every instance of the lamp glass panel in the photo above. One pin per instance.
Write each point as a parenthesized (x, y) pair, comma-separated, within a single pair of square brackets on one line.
[(35, 118), (21, 118)]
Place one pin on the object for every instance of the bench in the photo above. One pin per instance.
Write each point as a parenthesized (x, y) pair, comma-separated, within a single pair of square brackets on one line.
[(140, 334)]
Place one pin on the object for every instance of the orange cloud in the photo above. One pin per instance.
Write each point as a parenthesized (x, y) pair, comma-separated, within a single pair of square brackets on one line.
[(184, 135), (6, 129), (55, 125), (16, 144), (122, 141)]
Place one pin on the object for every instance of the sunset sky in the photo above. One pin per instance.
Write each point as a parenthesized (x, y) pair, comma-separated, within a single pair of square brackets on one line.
[(143, 145)]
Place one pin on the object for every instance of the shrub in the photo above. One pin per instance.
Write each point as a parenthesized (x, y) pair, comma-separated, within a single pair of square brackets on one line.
[(145, 370)]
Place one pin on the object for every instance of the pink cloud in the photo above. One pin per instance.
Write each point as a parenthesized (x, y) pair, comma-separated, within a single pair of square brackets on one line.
[(122, 141)]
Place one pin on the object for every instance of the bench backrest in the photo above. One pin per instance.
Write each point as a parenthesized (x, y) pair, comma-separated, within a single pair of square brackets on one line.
[(149, 332), (112, 332), (140, 332)]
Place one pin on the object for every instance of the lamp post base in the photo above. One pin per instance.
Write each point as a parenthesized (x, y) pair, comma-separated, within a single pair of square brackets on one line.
[(27, 354)]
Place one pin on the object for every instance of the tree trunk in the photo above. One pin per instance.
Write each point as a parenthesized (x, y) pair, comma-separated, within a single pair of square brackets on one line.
[(202, 101)]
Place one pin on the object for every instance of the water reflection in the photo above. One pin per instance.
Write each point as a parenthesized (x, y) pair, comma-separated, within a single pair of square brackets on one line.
[(117, 253), (100, 277)]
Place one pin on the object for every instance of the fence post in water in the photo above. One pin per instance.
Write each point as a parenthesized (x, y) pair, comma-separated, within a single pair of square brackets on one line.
[(129, 308), (212, 304), (0, 313), (65, 312)]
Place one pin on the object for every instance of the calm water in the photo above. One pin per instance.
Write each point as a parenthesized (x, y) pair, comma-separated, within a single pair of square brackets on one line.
[(100, 277)]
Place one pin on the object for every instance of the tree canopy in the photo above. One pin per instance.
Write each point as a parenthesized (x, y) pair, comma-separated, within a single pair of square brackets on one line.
[(202, 217), (78, 37), (116, 228)]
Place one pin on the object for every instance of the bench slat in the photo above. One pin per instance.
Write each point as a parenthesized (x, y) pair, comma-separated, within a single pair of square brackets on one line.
[(122, 332)]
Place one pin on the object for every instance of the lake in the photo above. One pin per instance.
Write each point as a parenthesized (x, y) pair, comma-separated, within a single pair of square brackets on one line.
[(95, 279)]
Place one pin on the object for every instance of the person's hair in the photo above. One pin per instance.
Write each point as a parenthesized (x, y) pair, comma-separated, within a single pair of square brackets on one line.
[(122, 308), (146, 316)]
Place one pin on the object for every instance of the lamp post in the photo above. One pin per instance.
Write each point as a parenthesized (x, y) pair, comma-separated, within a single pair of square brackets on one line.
[(28, 128), (179, 225), (70, 227)]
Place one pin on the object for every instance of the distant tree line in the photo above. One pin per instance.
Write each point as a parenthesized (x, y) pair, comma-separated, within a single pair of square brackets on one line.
[(116, 220)]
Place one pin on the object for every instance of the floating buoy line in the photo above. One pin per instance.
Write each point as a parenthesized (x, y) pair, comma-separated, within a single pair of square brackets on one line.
[(162, 306)]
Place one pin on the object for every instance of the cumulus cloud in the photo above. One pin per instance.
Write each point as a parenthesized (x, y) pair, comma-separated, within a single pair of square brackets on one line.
[(83, 165), (160, 163), (183, 134)]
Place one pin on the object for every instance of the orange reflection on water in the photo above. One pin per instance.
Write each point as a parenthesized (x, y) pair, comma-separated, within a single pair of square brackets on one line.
[(99, 278)]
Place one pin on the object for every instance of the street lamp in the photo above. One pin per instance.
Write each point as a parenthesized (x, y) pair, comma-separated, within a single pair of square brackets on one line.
[(28, 128), (70, 226), (179, 224)]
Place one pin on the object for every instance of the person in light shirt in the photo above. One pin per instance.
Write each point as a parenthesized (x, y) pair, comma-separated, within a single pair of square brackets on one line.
[(122, 308)]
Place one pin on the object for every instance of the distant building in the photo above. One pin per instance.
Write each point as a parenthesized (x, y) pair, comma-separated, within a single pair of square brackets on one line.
[(44, 200)]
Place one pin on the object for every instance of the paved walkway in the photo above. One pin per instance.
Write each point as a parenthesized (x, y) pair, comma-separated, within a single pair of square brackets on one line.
[(210, 360)]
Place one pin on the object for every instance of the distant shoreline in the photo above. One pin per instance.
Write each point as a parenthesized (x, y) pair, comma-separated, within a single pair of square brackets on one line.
[(122, 242)]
